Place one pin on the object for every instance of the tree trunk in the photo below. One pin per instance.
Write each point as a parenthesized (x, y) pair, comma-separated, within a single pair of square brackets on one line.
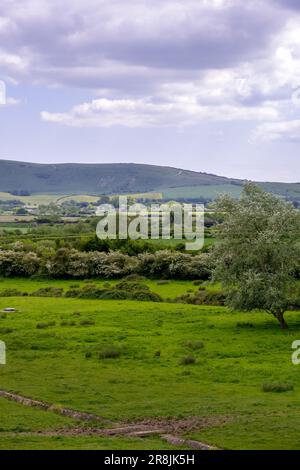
[(279, 315)]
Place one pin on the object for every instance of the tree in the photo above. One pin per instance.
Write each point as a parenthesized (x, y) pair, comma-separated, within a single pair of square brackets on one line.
[(257, 251)]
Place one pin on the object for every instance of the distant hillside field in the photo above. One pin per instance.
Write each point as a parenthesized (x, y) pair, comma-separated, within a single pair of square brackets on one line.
[(21, 179)]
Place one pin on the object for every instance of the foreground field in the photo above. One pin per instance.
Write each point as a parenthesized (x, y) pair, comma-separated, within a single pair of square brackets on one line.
[(127, 362)]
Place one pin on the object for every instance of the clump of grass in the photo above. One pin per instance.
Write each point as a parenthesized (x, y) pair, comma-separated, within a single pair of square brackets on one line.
[(88, 354), (76, 314), (162, 282), (157, 354), (48, 292), (187, 360), (197, 283), (194, 345), (67, 323), (6, 331), (87, 322), (110, 352), (43, 325), (277, 387), (244, 325), (12, 293)]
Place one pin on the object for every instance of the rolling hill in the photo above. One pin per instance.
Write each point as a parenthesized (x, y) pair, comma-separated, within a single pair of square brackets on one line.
[(30, 178)]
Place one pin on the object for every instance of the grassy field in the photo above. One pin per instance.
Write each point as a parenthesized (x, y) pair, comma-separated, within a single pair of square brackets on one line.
[(166, 289), (60, 198), (206, 191), (62, 363)]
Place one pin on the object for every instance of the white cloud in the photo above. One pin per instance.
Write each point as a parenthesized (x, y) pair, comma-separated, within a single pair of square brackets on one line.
[(183, 111), (277, 131)]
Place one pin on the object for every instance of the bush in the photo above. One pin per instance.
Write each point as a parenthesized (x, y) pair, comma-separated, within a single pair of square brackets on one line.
[(87, 322), (18, 264), (48, 292), (5, 331), (67, 263), (187, 360), (203, 297), (12, 293), (122, 291), (109, 353), (67, 323), (277, 387), (43, 325), (244, 325), (194, 345), (131, 286)]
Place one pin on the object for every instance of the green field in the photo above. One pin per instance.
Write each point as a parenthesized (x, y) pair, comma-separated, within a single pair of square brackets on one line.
[(166, 289), (210, 191), (220, 394)]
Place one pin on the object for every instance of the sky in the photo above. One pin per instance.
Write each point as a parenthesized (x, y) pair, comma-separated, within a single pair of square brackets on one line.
[(206, 85)]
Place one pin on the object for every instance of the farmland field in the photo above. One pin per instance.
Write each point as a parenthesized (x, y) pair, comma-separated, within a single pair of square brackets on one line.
[(218, 395)]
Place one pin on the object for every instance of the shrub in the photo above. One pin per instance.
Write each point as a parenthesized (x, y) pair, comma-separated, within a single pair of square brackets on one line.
[(48, 292), (15, 263), (67, 323), (42, 325), (277, 387), (66, 263), (131, 286), (194, 345), (5, 331), (87, 322), (109, 353), (12, 293), (143, 296), (244, 325), (187, 360), (202, 297)]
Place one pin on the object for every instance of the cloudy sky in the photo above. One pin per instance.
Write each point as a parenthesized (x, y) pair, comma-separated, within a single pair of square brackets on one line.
[(207, 85)]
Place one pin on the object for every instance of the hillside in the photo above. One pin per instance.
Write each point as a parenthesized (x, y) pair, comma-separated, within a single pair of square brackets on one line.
[(31, 178)]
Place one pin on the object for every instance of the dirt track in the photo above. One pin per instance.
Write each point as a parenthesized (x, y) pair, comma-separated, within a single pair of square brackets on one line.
[(161, 427)]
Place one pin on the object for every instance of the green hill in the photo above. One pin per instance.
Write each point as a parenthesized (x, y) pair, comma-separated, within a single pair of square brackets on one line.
[(22, 178)]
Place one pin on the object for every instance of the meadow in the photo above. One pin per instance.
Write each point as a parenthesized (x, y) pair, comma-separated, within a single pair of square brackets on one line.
[(202, 368)]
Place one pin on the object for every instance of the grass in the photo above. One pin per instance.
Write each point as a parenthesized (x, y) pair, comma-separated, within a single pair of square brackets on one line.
[(277, 387), (210, 191), (82, 443), (62, 365), (168, 289)]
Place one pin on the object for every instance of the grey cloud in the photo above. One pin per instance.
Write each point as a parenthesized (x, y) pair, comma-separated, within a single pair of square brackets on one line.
[(293, 4), (166, 36)]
